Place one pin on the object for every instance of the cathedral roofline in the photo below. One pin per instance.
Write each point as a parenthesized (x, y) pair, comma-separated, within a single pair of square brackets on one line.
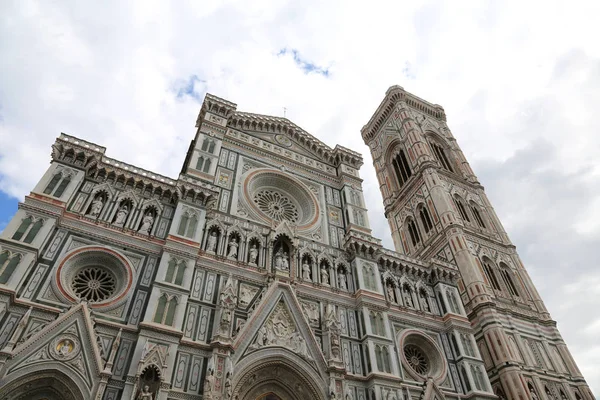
[(393, 96)]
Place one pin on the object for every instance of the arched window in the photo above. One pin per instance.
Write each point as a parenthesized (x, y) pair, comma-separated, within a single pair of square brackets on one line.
[(478, 385), (22, 228), (386, 360), (52, 184), (379, 358), (8, 268), (425, 219), (507, 275), (183, 223), (208, 145), (489, 271), (200, 163), (63, 185), (180, 272), (461, 208), (34, 231), (3, 258), (453, 302), (454, 344), (413, 232), (440, 154), (380, 325), (373, 322), (468, 346), (477, 215), (171, 307), (442, 304), (160, 309), (171, 268), (206, 168), (465, 378), (193, 224), (401, 168)]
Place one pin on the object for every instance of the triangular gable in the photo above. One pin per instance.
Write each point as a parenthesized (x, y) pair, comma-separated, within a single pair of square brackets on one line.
[(68, 343), (278, 321)]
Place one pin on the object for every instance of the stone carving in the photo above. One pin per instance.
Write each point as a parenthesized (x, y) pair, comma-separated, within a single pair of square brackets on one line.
[(282, 261), (247, 293), (332, 327), (65, 348), (211, 246), (349, 394), (342, 280), (253, 254), (96, 207), (391, 292), (227, 304), (147, 223), (228, 389), (233, 248), (424, 302), (306, 272), (145, 394), (280, 330), (122, 215), (209, 383), (407, 297), (311, 310), (324, 277), (390, 395)]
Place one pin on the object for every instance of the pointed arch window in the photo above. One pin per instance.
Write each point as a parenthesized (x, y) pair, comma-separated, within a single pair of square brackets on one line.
[(183, 223), (489, 271), (477, 215), (34, 231), (401, 168), (425, 219), (165, 310), (442, 304), (379, 357), (461, 208), (476, 373), (386, 360), (52, 184), (465, 378), (203, 164), (506, 274), (62, 186), (440, 154), (454, 344), (175, 271), (415, 238), (22, 228), (8, 266), (208, 145), (188, 224)]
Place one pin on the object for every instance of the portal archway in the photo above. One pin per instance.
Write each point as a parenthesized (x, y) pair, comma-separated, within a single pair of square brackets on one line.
[(277, 378), (47, 385)]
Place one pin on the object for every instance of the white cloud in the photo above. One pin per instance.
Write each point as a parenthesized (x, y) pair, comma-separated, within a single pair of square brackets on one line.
[(519, 82)]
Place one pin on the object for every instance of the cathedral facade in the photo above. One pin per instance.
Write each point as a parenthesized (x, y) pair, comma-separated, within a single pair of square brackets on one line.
[(255, 276)]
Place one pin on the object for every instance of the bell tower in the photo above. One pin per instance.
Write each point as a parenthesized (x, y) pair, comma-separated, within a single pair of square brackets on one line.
[(438, 210)]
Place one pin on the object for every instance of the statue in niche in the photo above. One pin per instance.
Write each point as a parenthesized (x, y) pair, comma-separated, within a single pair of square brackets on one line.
[(407, 297), (211, 246), (233, 248), (285, 262), (349, 394), (391, 293), (332, 325), (145, 394), (147, 223), (390, 395), (96, 207), (228, 385), (424, 302), (306, 272), (534, 396), (209, 382), (282, 262), (253, 254), (122, 215), (342, 280), (324, 276)]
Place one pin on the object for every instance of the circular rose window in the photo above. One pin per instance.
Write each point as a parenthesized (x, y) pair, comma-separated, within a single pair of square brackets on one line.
[(275, 196), (422, 356), (94, 284), (95, 274)]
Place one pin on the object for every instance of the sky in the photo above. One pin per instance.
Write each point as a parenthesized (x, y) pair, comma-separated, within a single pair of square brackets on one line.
[(519, 80)]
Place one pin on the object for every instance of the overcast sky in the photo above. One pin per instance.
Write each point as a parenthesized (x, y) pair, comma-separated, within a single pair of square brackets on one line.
[(519, 80)]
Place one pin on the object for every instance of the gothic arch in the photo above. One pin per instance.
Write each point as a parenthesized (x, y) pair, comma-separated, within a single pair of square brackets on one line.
[(43, 382)]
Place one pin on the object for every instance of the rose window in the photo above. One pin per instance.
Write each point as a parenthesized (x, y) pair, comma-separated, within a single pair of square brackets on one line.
[(416, 359), (276, 205), (94, 284)]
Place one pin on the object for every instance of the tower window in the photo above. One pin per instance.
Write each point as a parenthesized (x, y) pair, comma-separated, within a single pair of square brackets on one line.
[(504, 271), (461, 209), (401, 168), (8, 265), (489, 271), (477, 216), (440, 154), (208, 145), (64, 182), (425, 219), (413, 232), (203, 164)]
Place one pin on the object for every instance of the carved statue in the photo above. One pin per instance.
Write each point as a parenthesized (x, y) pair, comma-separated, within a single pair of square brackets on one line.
[(390, 395), (306, 272), (233, 248), (342, 281), (349, 394), (97, 205), (147, 224), (228, 386), (212, 242), (391, 293), (145, 394), (324, 276), (253, 254), (407, 297), (534, 396), (122, 215), (332, 390), (209, 383), (424, 302), (279, 259), (285, 262)]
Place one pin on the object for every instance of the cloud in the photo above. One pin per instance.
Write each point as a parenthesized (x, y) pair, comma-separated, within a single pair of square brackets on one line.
[(519, 83)]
